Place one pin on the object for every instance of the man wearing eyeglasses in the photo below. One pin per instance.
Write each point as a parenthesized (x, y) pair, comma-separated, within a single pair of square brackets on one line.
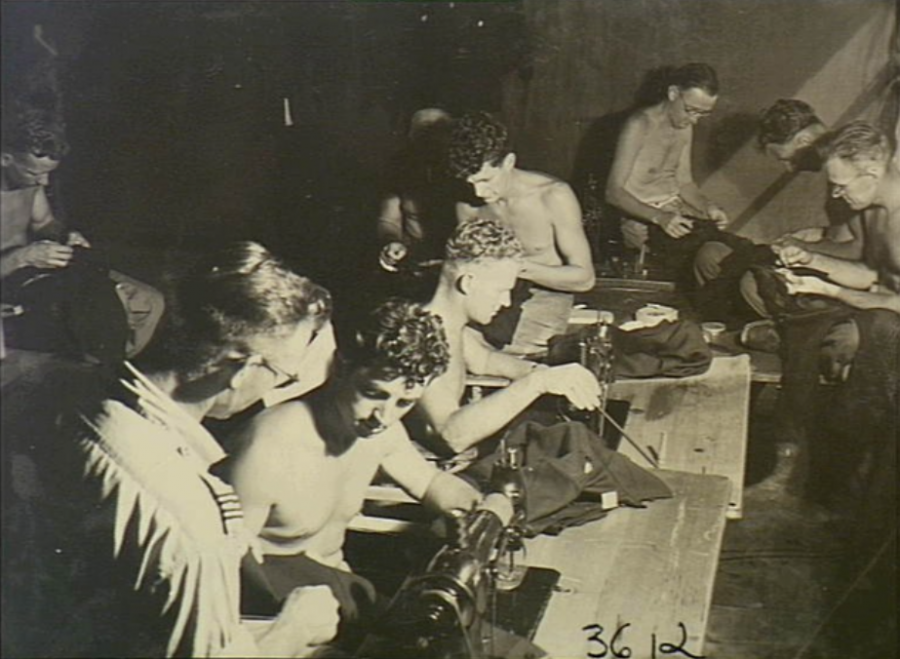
[(651, 180), (143, 540), (862, 172)]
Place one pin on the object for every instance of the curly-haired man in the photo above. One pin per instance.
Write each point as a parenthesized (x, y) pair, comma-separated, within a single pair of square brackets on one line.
[(481, 263), (302, 468), (545, 216)]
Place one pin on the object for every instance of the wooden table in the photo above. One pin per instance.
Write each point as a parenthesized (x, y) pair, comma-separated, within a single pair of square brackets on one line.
[(696, 424), (651, 569)]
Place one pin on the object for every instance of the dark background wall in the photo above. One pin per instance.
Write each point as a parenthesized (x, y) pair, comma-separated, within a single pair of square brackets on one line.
[(176, 109), (589, 59)]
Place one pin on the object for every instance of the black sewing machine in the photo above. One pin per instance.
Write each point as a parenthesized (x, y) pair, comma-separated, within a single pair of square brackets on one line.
[(455, 605)]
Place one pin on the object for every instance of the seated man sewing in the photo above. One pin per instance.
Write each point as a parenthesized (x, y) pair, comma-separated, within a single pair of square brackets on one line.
[(857, 341), (651, 180), (862, 172), (544, 215), (302, 468), (143, 542), (34, 242), (481, 263), (791, 133)]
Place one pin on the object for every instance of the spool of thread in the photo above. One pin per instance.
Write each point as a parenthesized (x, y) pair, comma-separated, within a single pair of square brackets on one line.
[(654, 314), (712, 330)]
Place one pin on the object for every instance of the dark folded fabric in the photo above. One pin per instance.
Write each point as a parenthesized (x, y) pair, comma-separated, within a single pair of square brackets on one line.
[(780, 304), (720, 299), (674, 257), (567, 462), (73, 311), (669, 349)]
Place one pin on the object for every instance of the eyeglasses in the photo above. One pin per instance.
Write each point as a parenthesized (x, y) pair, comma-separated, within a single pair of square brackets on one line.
[(285, 378)]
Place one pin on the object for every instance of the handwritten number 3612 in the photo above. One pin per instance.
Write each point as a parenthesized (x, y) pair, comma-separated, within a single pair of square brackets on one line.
[(613, 649)]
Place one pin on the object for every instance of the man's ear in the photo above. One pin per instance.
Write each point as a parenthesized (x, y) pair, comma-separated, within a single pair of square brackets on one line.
[(873, 168), (672, 92), (509, 161), (464, 283), (6, 159), (804, 140)]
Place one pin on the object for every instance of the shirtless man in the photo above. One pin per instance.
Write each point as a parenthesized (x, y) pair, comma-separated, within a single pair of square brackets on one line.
[(545, 216), (482, 260), (302, 468), (791, 133), (32, 237), (651, 179), (862, 172), (861, 348)]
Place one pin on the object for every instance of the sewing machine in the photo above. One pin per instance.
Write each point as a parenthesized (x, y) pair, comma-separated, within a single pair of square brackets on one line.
[(449, 609)]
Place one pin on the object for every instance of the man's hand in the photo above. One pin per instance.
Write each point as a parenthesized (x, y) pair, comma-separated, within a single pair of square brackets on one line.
[(797, 284), (808, 235), (312, 613), (46, 254), (793, 256), (718, 216), (76, 239), (573, 381), (675, 225)]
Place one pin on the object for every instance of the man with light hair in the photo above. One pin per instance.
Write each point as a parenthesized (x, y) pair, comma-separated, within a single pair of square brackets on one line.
[(482, 261), (861, 171)]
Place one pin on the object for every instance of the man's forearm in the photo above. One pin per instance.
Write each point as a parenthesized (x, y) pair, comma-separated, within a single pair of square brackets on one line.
[(850, 250), (10, 261), (692, 196), (477, 421), (501, 364), (565, 278), (868, 299), (851, 274)]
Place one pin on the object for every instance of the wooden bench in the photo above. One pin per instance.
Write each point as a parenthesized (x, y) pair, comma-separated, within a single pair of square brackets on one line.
[(637, 577)]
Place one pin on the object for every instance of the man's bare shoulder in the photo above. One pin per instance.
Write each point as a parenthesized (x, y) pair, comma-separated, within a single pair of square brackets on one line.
[(639, 121), (547, 186), (288, 426)]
